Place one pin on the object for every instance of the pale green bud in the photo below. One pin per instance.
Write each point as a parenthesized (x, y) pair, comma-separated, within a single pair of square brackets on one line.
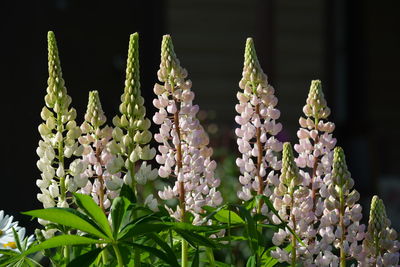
[(46, 113), (116, 121), (290, 173), (113, 147), (124, 121), (117, 134), (146, 153), (126, 140), (43, 129)]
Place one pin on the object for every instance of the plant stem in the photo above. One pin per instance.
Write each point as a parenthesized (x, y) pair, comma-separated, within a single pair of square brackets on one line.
[(119, 257), (101, 180), (343, 228), (259, 161), (294, 256), (181, 188), (66, 254), (184, 262), (210, 256)]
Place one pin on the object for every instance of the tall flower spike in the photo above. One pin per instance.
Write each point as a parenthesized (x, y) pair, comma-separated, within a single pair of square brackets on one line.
[(258, 127), (288, 200), (315, 151), (131, 135), (380, 244), (183, 142), (90, 173), (341, 207), (59, 134)]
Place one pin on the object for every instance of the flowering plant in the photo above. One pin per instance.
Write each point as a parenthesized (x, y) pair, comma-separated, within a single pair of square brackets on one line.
[(294, 210)]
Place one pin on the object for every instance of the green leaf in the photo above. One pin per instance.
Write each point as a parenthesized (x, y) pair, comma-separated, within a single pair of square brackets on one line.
[(118, 209), (251, 262), (68, 217), (156, 252), (8, 252), (196, 260), (127, 192), (87, 204), (251, 229), (16, 239), (85, 259), (139, 228), (195, 239), (164, 246), (62, 240), (223, 216)]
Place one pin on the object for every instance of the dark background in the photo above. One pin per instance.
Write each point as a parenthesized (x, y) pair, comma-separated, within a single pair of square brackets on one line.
[(352, 46)]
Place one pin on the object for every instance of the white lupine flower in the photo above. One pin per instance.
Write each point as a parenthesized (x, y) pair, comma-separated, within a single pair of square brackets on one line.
[(131, 135), (90, 173), (256, 134), (151, 202), (59, 133), (183, 142)]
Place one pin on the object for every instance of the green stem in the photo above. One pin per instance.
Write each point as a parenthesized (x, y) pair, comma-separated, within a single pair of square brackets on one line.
[(185, 262), (294, 256), (61, 157), (66, 254), (343, 228), (119, 257), (210, 256)]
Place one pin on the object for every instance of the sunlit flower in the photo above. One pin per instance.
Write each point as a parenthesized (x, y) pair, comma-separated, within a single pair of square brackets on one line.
[(183, 150)]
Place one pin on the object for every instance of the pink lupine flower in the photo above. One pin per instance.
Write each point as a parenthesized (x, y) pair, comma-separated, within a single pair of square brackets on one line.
[(258, 127), (183, 151), (90, 174)]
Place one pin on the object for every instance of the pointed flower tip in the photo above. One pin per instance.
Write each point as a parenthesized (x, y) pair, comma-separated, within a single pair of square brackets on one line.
[(134, 37), (287, 147), (50, 35), (338, 153), (316, 83), (249, 41)]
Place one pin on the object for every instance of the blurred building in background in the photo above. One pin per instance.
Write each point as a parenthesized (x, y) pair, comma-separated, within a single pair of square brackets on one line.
[(352, 46)]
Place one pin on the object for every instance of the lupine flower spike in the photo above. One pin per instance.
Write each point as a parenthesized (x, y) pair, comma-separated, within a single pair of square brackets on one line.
[(258, 127), (59, 134), (342, 208), (287, 199), (380, 245), (315, 151), (131, 135), (183, 142), (96, 180)]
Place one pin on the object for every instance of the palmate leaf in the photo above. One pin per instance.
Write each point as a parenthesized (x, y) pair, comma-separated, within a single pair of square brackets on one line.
[(87, 204), (68, 217), (118, 210), (163, 245)]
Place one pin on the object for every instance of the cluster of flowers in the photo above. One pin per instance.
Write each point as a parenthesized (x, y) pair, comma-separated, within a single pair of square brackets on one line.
[(313, 193), (183, 142), (9, 231), (103, 158)]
